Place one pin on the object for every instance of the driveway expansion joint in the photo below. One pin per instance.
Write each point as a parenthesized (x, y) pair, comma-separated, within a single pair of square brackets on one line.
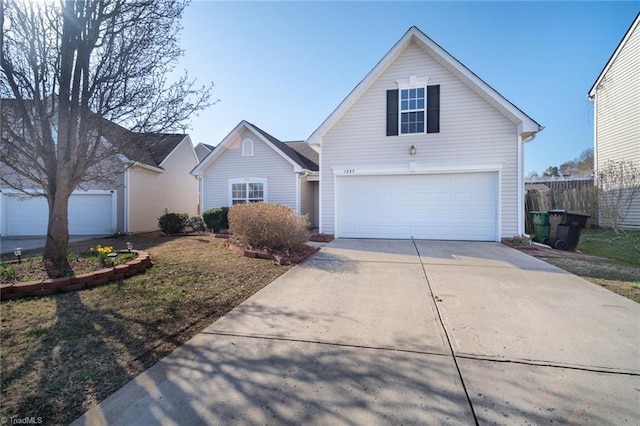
[(320, 342), (548, 364), (453, 354)]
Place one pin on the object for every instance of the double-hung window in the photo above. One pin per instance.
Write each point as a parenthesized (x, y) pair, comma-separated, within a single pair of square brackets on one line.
[(412, 110), (414, 107), (247, 192)]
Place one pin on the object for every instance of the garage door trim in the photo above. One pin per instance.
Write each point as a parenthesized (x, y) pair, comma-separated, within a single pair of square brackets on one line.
[(9, 191), (416, 169)]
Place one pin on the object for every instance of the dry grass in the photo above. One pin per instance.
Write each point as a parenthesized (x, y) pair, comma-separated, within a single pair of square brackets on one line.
[(621, 279), (64, 353), (620, 274)]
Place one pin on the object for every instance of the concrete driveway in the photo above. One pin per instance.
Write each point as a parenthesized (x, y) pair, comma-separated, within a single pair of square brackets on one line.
[(403, 332)]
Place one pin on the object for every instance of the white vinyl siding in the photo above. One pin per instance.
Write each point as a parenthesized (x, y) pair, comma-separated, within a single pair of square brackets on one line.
[(264, 163), (152, 193), (472, 132), (617, 114)]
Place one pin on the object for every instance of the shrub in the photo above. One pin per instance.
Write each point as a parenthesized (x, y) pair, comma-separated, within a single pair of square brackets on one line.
[(216, 218), (173, 223), (197, 224), (269, 226)]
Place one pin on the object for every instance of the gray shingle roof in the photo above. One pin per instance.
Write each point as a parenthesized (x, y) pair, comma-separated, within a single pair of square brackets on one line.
[(299, 155), (159, 145), (147, 148)]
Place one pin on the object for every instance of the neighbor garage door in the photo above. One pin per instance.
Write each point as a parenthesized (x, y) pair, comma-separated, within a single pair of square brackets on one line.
[(89, 214), (459, 206)]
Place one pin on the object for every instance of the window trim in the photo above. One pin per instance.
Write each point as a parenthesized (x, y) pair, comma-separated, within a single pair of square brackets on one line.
[(247, 148), (246, 182), (412, 82)]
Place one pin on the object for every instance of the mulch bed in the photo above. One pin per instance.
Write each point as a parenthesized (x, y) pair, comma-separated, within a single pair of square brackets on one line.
[(279, 258), (321, 238), (539, 251)]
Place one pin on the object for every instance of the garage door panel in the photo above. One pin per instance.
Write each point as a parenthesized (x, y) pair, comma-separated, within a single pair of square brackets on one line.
[(89, 214), (460, 206), (25, 215)]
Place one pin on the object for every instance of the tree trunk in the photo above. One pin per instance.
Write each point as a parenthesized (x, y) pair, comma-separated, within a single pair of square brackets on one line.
[(57, 244)]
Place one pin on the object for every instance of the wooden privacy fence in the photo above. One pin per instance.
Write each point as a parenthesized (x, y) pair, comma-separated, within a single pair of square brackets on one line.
[(575, 196)]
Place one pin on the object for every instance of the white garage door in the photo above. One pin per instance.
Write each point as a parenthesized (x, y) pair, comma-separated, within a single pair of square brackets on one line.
[(459, 206), (89, 214)]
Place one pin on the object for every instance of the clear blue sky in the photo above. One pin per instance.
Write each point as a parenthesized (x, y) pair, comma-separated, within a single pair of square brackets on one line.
[(285, 66)]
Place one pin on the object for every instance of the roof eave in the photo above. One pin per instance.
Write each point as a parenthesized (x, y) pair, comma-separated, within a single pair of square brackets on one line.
[(365, 83), (414, 34), (148, 167), (592, 92), (211, 156)]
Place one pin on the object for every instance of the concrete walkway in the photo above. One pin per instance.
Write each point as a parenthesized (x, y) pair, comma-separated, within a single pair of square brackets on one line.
[(402, 332)]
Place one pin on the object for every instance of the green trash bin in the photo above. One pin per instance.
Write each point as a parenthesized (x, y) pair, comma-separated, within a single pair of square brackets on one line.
[(541, 225)]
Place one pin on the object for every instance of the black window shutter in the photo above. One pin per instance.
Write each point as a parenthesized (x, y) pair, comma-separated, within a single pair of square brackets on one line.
[(392, 112), (433, 109)]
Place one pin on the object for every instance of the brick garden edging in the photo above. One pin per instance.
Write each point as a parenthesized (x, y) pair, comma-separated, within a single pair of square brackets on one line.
[(78, 282)]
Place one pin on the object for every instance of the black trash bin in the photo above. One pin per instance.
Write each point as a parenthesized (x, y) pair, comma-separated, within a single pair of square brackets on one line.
[(575, 219), (555, 218), (568, 232)]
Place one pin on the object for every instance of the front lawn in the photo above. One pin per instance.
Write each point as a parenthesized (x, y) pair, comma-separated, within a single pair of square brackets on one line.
[(64, 353), (620, 274), (624, 247)]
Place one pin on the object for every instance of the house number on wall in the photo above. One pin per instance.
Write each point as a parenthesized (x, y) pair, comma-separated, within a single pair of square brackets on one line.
[(349, 171)]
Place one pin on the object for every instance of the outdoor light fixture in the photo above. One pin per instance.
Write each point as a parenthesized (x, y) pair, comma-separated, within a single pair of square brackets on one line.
[(412, 150), (17, 252), (129, 246)]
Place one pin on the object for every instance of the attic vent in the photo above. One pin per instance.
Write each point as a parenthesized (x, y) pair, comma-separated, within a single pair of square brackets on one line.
[(247, 148)]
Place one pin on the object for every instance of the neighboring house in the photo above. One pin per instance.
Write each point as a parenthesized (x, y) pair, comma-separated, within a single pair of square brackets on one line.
[(616, 105), (202, 150), (250, 165), (422, 148), (157, 182)]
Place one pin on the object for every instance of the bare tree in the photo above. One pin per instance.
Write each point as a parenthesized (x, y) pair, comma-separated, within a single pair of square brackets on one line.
[(70, 70), (618, 186)]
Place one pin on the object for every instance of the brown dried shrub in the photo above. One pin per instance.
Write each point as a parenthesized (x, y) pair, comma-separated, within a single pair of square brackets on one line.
[(268, 226)]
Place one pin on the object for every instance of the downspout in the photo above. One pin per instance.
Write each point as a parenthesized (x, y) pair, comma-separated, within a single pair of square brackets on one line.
[(521, 206), (126, 201), (298, 178)]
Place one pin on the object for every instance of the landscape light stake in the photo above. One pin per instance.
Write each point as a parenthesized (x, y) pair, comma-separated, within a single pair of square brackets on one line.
[(18, 252), (129, 246)]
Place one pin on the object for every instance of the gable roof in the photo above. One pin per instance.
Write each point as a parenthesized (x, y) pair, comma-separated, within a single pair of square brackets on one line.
[(297, 159), (158, 145), (414, 35), (289, 148), (614, 55), (305, 150), (202, 150)]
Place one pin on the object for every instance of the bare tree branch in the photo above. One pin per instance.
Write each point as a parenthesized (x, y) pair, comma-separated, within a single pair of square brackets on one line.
[(69, 71)]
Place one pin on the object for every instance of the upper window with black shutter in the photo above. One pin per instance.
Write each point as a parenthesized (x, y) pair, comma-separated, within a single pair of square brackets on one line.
[(413, 108)]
